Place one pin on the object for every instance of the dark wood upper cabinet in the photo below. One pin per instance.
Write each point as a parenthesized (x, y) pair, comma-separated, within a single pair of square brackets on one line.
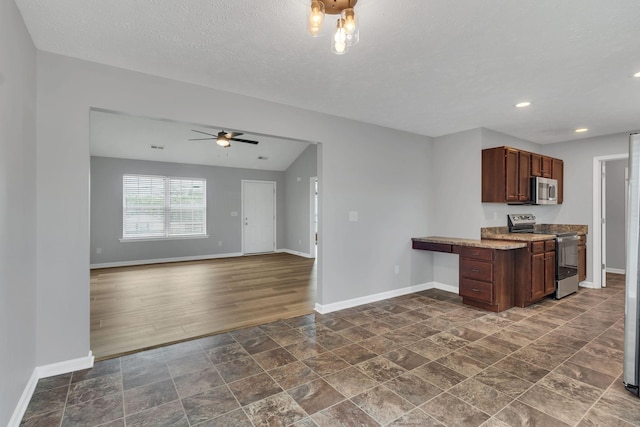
[(557, 172), (512, 175), (524, 178), (546, 167), (536, 164), (507, 173)]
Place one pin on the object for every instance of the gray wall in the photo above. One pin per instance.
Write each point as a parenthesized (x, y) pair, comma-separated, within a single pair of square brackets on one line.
[(298, 200), (381, 173), (17, 208), (615, 211), (578, 179), (224, 190)]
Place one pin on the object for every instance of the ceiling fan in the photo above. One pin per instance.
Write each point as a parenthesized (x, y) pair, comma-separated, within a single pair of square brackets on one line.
[(223, 138)]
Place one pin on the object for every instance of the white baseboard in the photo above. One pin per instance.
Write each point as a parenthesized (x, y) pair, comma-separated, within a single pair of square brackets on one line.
[(292, 252), (616, 270), (65, 366), (164, 260), (45, 371), (341, 305), (21, 407), (445, 287), (589, 285)]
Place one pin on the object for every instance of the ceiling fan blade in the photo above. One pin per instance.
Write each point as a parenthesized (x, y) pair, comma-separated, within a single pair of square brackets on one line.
[(234, 134), (199, 131), (244, 140), (200, 139)]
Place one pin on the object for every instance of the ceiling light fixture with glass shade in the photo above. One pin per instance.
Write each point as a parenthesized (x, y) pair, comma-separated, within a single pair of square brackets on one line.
[(346, 33)]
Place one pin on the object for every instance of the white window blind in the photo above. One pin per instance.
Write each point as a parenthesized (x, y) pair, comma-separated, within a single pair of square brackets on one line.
[(163, 207)]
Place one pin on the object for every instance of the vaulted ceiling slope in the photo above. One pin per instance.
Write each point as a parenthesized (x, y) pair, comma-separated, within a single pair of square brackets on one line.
[(431, 67)]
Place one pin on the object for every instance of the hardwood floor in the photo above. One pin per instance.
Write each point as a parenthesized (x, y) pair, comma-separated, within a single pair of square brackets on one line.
[(134, 308)]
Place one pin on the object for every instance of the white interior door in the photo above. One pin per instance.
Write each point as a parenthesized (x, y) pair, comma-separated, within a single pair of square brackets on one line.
[(258, 216)]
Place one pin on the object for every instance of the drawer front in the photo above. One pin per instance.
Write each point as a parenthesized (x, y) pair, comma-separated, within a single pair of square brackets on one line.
[(537, 247), (476, 269), (473, 289), (436, 247), (477, 253), (549, 245)]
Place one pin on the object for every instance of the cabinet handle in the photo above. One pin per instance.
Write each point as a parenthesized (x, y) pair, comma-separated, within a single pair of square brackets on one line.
[(475, 270), (475, 290)]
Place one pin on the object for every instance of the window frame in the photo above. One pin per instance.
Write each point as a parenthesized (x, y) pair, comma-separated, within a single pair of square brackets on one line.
[(167, 210)]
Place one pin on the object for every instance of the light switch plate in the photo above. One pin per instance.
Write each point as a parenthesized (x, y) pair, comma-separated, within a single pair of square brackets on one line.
[(353, 216)]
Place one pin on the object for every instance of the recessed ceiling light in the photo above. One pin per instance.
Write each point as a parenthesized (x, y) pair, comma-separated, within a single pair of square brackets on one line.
[(637, 74), (580, 130), (522, 104)]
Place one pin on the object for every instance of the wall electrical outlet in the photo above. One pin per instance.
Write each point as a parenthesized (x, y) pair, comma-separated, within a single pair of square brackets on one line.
[(98, 251), (219, 242), (396, 269), (299, 242)]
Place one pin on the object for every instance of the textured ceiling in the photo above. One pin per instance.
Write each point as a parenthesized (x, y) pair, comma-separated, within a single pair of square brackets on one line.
[(431, 67)]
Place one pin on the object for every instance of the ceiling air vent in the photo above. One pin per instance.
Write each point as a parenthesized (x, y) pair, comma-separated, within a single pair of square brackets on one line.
[(157, 147), (262, 158)]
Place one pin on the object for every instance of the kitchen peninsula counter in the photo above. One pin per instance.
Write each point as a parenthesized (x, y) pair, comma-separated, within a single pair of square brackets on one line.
[(424, 242)]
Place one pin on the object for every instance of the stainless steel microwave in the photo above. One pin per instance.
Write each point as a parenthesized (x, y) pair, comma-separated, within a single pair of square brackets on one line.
[(544, 191)]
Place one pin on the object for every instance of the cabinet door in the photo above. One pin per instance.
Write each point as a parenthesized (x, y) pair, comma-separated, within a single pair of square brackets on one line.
[(537, 276), (512, 175), (557, 172), (582, 263), (549, 272), (546, 167), (524, 186), (536, 164)]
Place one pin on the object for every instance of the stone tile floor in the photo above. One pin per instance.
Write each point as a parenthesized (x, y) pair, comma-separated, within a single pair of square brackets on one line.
[(419, 360)]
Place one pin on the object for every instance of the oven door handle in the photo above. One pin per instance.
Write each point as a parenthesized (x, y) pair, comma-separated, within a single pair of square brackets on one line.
[(567, 238)]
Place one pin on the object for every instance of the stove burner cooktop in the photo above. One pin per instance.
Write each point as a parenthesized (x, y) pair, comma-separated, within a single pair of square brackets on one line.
[(525, 223)]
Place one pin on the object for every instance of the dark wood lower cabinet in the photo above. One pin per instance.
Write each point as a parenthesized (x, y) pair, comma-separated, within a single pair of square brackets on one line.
[(582, 259), (486, 278), (536, 272)]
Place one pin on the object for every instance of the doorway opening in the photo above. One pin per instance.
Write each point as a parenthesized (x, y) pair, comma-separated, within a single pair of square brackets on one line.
[(609, 210), (153, 292)]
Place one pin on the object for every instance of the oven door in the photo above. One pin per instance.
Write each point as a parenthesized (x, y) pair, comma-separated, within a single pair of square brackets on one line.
[(566, 257)]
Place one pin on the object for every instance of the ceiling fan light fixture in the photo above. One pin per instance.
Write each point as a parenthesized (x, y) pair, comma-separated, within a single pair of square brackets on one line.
[(223, 142)]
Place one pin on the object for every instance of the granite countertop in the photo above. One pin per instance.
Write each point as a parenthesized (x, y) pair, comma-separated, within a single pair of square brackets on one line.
[(490, 244), (502, 233)]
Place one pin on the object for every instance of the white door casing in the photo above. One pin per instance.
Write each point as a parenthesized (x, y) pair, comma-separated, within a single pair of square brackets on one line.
[(258, 216), (603, 226)]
